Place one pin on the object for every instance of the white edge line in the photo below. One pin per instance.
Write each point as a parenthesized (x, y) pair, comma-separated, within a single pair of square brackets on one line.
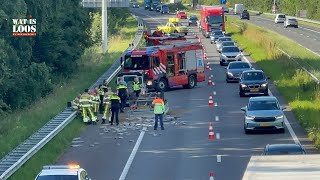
[(218, 158), (132, 155), (218, 135), (286, 122), (214, 93), (217, 118), (215, 104)]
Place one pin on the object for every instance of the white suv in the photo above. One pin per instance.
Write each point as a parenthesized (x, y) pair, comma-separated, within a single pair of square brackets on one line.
[(58, 172), (280, 18)]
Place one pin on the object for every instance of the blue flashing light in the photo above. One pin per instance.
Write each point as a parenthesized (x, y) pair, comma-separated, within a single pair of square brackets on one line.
[(150, 51), (129, 52)]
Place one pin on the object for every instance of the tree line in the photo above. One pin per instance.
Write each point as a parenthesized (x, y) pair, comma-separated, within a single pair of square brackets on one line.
[(30, 67)]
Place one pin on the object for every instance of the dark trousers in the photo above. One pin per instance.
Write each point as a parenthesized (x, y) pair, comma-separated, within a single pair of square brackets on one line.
[(157, 118), (115, 112), (101, 104), (123, 103), (137, 92)]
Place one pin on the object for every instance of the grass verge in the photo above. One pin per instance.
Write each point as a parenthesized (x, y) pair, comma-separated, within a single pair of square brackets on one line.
[(24, 123), (292, 82)]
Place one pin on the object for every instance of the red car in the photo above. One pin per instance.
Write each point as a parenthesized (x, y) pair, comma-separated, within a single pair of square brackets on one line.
[(181, 15)]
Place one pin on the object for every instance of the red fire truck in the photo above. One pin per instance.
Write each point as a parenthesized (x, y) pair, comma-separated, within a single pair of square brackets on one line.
[(211, 18), (166, 66), (158, 38)]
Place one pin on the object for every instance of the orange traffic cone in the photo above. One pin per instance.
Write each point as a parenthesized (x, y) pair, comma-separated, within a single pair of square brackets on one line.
[(210, 83), (207, 66), (211, 176), (211, 104), (211, 133)]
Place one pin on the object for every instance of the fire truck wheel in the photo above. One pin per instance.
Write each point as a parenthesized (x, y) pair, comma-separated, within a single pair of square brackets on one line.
[(162, 84), (191, 82)]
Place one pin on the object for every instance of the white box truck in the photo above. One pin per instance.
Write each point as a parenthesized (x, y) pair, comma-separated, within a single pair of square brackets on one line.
[(283, 167), (238, 8)]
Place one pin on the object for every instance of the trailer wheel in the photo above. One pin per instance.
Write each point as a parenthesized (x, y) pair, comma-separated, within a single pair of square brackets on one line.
[(162, 85), (191, 82)]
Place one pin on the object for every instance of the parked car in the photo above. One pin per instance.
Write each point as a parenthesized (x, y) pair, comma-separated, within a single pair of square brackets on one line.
[(192, 20), (147, 6), (284, 149), (164, 9), (158, 8), (221, 40), (229, 54), (235, 69), (290, 22), (280, 18), (263, 113), (215, 35), (182, 15), (245, 15), (225, 43), (62, 172), (253, 82)]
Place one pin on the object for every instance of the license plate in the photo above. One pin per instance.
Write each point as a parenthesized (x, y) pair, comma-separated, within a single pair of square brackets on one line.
[(254, 90), (265, 124)]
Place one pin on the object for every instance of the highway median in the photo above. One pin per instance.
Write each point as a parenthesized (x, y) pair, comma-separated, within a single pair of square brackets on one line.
[(93, 63), (288, 75)]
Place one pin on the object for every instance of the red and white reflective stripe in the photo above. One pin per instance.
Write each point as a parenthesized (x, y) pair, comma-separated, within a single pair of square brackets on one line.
[(159, 69), (162, 65), (157, 72), (154, 72), (163, 70)]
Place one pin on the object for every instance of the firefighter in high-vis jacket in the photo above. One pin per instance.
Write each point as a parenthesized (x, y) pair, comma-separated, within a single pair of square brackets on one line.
[(75, 103), (85, 103), (136, 87), (95, 101), (106, 104)]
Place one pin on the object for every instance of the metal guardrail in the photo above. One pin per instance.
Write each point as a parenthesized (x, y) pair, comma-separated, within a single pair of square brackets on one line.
[(22, 153), (298, 18)]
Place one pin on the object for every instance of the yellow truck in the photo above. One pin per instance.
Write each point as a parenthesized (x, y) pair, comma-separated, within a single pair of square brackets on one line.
[(173, 26)]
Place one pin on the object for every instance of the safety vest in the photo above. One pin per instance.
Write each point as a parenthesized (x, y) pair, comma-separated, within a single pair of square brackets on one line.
[(158, 106), (136, 86), (122, 90)]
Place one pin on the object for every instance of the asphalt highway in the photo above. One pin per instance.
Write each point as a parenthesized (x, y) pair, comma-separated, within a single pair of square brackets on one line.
[(182, 151), (306, 36)]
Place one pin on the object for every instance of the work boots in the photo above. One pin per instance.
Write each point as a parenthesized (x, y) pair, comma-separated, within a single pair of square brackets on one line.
[(103, 121)]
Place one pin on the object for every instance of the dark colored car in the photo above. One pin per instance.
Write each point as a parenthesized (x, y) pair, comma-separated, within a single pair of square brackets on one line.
[(245, 15), (235, 69), (147, 6), (153, 6), (135, 5), (158, 8), (253, 82), (284, 149), (164, 8), (192, 20), (215, 35)]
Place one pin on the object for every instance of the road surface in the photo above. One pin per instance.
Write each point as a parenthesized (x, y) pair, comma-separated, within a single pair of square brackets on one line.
[(306, 36), (182, 151)]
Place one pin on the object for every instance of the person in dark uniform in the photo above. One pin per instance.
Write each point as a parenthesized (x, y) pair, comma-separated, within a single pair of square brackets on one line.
[(115, 107), (122, 93)]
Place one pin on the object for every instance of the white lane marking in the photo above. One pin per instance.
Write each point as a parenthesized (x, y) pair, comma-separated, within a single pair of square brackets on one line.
[(218, 158), (217, 118), (214, 93), (286, 122), (308, 36), (218, 135), (215, 104), (311, 30), (132, 155), (301, 34), (315, 39), (294, 32)]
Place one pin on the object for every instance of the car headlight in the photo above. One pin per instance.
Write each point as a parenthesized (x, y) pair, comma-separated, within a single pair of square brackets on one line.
[(264, 85), (243, 85), (223, 56), (229, 74), (249, 117), (279, 117), (149, 83)]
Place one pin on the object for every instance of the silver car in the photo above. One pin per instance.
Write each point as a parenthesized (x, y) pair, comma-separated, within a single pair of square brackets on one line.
[(280, 18), (263, 113), (222, 39), (235, 69), (290, 22), (215, 35), (229, 54), (225, 43)]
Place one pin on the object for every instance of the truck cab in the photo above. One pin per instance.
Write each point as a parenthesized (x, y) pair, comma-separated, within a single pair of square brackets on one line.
[(211, 19)]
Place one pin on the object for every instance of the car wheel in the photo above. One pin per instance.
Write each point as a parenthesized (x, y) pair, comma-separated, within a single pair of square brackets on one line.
[(162, 84), (211, 42), (282, 130), (296, 26), (191, 82), (221, 64), (241, 94), (227, 81), (185, 33), (246, 131)]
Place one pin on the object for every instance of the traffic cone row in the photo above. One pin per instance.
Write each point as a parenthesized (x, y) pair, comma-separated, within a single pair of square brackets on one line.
[(207, 66), (211, 176), (211, 104), (211, 133)]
